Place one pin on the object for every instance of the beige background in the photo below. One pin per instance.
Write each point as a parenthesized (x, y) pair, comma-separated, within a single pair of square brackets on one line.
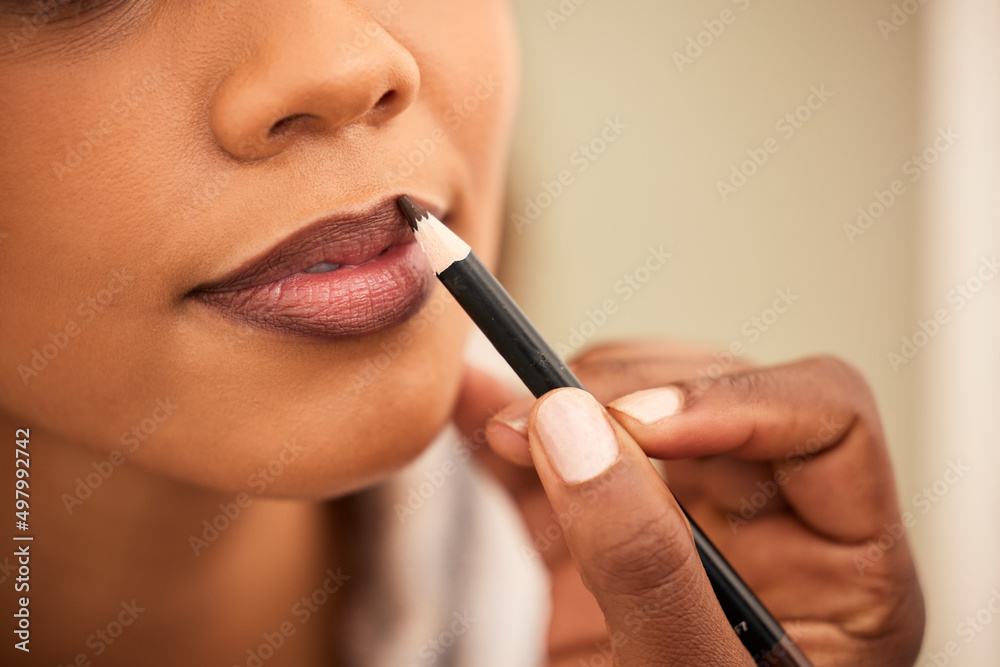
[(656, 184)]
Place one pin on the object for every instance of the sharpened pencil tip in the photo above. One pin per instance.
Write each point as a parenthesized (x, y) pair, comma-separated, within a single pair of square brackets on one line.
[(412, 211)]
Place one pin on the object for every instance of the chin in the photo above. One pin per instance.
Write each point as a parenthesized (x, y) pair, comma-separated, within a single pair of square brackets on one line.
[(330, 423)]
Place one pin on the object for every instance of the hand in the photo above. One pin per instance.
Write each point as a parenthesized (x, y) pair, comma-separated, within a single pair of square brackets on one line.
[(785, 469)]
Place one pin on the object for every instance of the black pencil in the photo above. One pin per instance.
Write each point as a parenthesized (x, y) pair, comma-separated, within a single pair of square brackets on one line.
[(502, 322)]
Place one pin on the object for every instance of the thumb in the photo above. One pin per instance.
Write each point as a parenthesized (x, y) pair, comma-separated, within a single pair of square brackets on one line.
[(628, 537)]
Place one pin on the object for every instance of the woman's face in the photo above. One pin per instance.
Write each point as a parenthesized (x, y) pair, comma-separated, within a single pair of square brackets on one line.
[(179, 179)]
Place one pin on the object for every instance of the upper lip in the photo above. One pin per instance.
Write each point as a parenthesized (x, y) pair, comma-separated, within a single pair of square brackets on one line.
[(342, 238)]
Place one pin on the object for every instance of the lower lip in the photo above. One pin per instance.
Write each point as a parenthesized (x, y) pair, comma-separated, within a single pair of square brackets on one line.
[(349, 301)]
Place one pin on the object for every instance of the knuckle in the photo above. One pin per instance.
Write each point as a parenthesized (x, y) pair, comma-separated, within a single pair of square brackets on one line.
[(747, 388), (653, 559), (854, 389), (595, 352), (893, 599), (773, 382), (837, 369), (744, 385)]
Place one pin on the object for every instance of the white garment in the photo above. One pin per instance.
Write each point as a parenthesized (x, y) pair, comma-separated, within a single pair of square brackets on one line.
[(456, 582)]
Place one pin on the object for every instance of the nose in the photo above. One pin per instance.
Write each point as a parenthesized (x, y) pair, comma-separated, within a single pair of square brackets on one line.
[(312, 68)]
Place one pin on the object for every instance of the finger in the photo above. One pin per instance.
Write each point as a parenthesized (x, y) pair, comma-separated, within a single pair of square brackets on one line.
[(817, 589), (507, 432), (628, 537), (480, 397), (632, 350), (797, 573), (608, 377), (608, 372), (576, 617), (721, 485), (814, 420)]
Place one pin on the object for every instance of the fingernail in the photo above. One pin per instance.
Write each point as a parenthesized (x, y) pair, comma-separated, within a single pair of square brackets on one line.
[(650, 405), (515, 415), (518, 423), (576, 435)]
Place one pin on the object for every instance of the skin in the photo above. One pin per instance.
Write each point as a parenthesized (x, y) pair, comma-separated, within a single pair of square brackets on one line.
[(810, 429), (261, 100), (240, 123)]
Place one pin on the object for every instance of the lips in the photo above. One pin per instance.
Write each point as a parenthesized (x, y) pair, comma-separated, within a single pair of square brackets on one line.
[(342, 276)]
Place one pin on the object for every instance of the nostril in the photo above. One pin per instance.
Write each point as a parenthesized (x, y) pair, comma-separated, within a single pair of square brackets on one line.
[(385, 100), (284, 124)]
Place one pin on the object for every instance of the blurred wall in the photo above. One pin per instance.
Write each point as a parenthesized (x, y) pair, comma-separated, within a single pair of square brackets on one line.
[(958, 373), (741, 138)]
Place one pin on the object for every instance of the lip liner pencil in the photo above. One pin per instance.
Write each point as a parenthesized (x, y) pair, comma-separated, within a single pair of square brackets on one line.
[(540, 368)]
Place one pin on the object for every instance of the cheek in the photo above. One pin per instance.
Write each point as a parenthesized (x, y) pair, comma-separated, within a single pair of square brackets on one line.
[(82, 268)]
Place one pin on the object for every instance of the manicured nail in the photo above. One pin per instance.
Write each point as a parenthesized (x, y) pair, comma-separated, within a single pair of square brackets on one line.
[(515, 415), (650, 405), (517, 423), (576, 435)]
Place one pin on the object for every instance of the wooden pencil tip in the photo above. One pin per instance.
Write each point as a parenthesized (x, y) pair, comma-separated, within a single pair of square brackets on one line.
[(412, 211)]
